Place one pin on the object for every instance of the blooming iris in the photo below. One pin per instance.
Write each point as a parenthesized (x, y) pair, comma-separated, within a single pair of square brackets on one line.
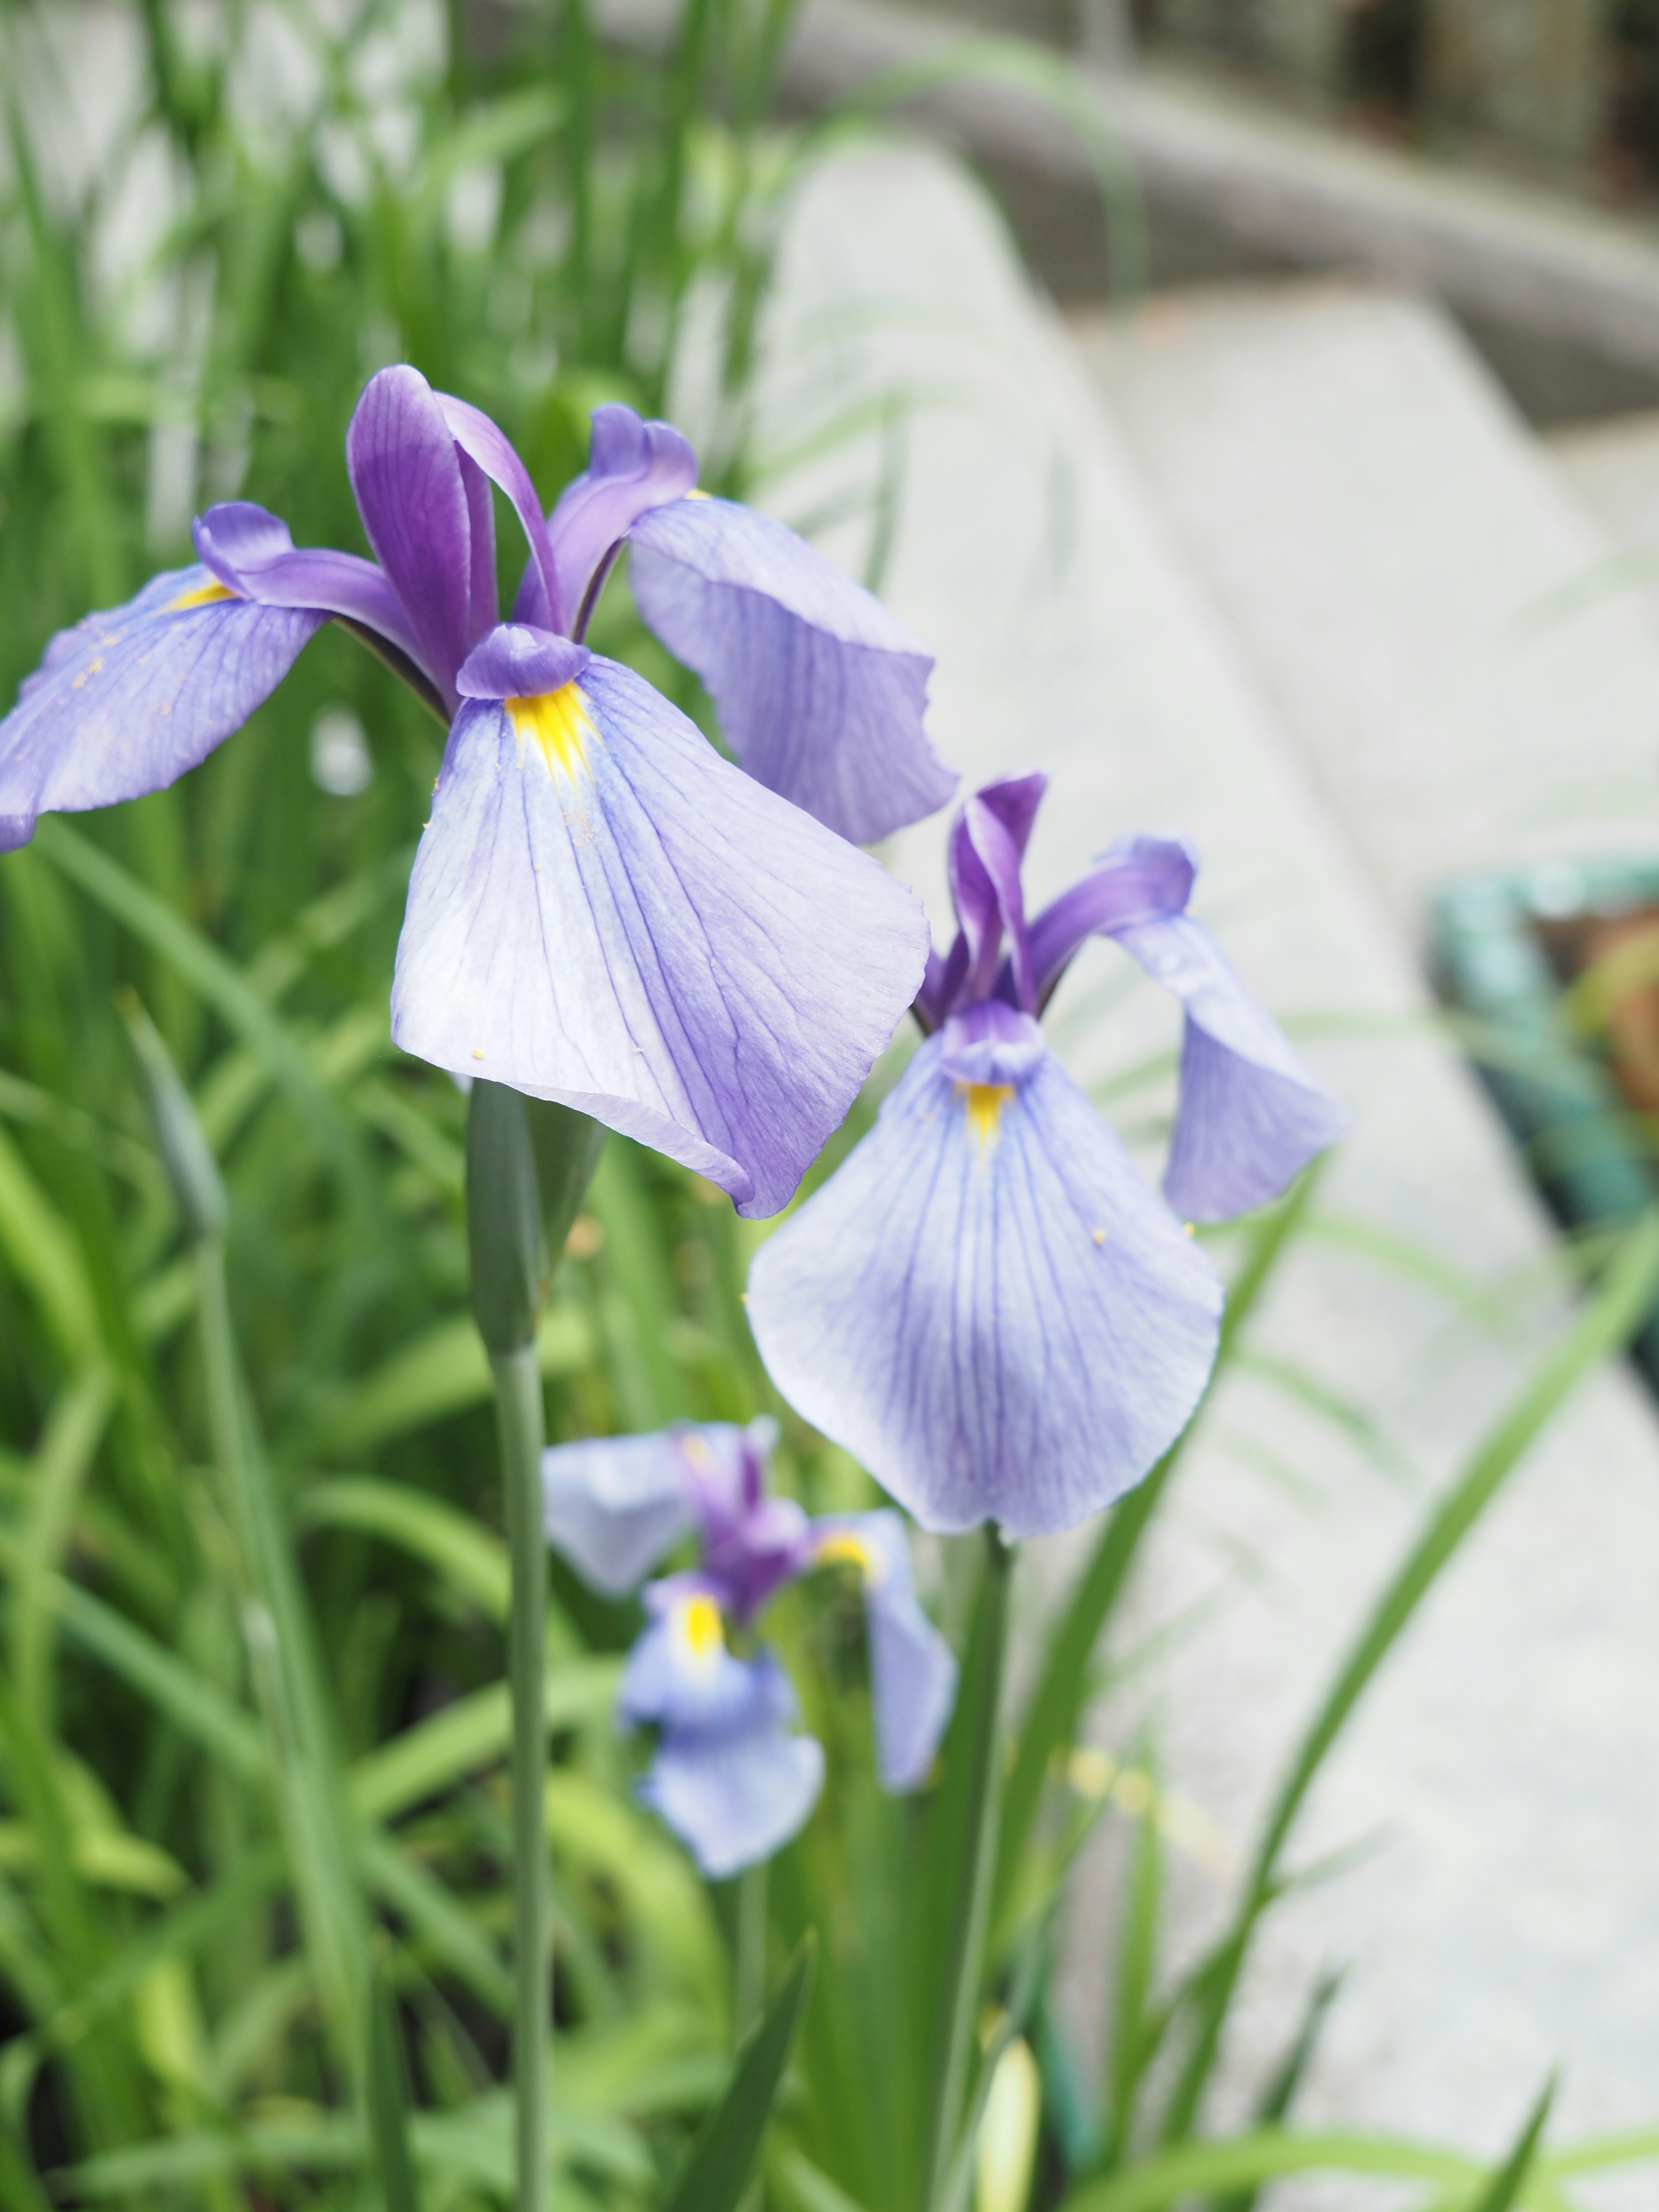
[(730, 1775), (986, 1304), (603, 911)]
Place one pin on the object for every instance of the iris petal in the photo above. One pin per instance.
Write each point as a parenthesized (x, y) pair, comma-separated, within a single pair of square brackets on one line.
[(987, 1307), (633, 466), (406, 475), (128, 700), (604, 912), (1251, 1113), (820, 691), (737, 1794), (912, 1674), (614, 1505)]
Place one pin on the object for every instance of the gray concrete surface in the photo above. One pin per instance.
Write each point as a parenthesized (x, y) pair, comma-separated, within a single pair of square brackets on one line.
[(1396, 553), (1508, 1763)]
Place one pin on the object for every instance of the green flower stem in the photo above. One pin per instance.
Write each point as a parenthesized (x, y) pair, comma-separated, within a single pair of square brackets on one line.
[(749, 1990), (964, 1958), (519, 1425), (527, 1165)]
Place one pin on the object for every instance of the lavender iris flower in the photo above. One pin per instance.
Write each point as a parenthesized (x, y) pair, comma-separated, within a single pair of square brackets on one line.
[(603, 911), (986, 1304), (730, 1775)]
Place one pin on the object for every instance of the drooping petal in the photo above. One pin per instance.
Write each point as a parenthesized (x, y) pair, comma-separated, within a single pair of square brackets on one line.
[(987, 1305), (1139, 879), (129, 699), (604, 912), (405, 473), (913, 1671), (820, 691), (735, 1795), (1251, 1113), (615, 1505), (250, 551), (633, 466)]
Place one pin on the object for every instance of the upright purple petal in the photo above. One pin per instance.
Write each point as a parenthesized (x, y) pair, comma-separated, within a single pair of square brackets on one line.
[(615, 1505), (1139, 879), (820, 691), (1251, 1113), (405, 473), (913, 1673), (633, 466), (986, 1306), (752, 1544), (604, 912), (486, 446), (128, 700), (984, 852)]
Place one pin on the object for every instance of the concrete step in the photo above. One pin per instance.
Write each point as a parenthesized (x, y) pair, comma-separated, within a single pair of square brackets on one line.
[(1390, 543), (1510, 1758)]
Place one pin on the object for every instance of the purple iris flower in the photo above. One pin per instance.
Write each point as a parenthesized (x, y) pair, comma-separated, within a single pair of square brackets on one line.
[(986, 1304), (730, 1775), (603, 910)]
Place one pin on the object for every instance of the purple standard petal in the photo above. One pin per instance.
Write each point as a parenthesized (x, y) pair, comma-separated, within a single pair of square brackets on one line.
[(1251, 1113), (485, 447), (1139, 879), (986, 1304), (604, 912), (986, 846), (615, 1505), (406, 473), (736, 1793), (128, 700), (633, 466), (912, 1674), (820, 691), (752, 1544)]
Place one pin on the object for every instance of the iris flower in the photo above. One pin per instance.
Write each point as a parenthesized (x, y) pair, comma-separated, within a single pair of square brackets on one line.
[(986, 1304), (730, 1775), (603, 910)]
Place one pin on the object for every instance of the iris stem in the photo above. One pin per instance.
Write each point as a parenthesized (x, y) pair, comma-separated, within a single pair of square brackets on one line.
[(519, 1420), (749, 1994), (965, 1956)]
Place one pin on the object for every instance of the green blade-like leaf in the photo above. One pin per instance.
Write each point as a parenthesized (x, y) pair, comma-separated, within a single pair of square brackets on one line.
[(1511, 2177), (717, 2167), (387, 2100)]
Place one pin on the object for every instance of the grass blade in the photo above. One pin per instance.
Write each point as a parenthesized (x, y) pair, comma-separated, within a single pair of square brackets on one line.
[(716, 2171)]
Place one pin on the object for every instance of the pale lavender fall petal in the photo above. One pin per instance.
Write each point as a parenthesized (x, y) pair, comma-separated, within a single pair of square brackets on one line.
[(129, 699), (615, 1505), (987, 1307), (736, 1795), (913, 1673), (604, 912), (1251, 1113), (821, 692)]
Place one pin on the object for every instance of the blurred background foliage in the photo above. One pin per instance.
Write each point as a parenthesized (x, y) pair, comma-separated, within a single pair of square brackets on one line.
[(216, 221)]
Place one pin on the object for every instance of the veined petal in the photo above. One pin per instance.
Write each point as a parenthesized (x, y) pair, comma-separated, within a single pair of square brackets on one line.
[(633, 466), (127, 700), (615, 1505), (680, 1673), (987, 1307), (604, 912), (1139, 879), (250, 552), (405, 473), (1251, 1113), (486, 446), (913, 1673), (737, 1794), (820, 691)]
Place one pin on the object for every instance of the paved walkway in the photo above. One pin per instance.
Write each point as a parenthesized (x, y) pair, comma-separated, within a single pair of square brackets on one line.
[(1510, 1760)]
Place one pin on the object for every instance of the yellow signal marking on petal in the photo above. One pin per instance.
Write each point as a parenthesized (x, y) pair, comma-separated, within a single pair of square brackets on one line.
[(560, 724), (843, 1548), (204, 595), (985, 1102), (700, 1620)]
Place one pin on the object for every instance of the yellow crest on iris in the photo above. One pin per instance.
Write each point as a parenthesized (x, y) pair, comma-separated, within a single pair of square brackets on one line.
[(204, 595), (986, 1103), (700, 1625), (843, 1547), (558, 722)]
